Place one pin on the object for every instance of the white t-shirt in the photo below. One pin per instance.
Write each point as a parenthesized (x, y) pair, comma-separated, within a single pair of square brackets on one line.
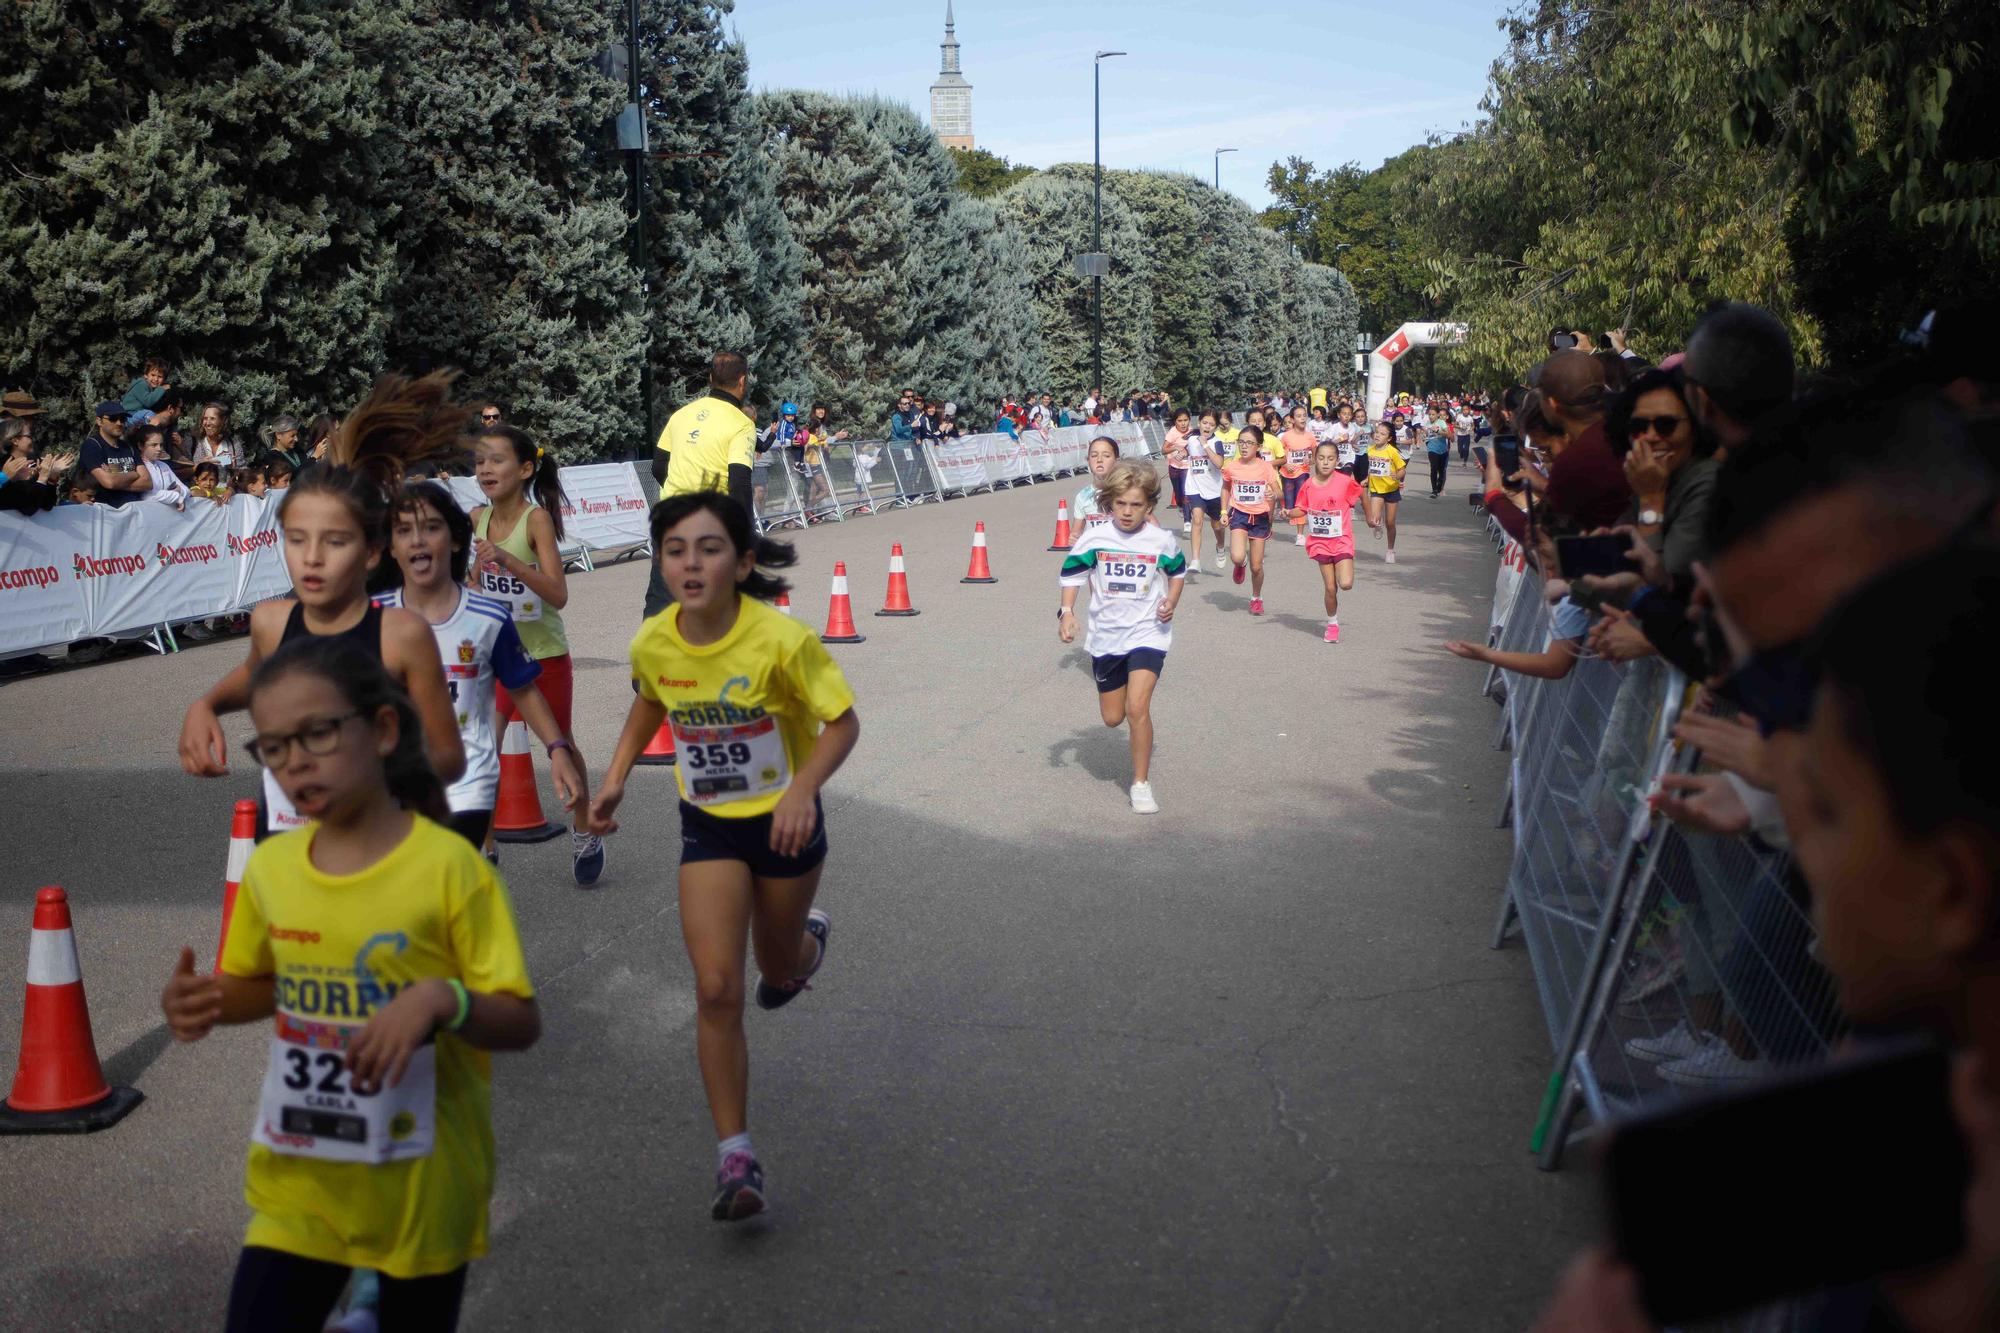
[(478, 645), (1085, 507), (168, 489), (1205, 460), (1128, 574)]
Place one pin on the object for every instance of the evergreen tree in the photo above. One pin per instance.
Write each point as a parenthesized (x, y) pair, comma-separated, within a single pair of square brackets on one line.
[(1052, 213), (200, 180), (512, 242), (1170, 210), (724, 269), (1007, 354), (839, 183)]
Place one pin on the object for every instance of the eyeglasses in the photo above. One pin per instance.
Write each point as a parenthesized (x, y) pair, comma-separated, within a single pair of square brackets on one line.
[(321, 736), (1660, 426), (489, 416)]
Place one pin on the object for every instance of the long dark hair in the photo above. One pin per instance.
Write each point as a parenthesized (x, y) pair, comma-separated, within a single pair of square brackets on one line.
[(367, 687), (400, 422), (417, 496), (735, 522), (544, 484)]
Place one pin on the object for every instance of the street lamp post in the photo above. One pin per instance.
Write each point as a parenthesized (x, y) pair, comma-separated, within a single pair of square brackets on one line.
[(1097, 217), (1218, 165)]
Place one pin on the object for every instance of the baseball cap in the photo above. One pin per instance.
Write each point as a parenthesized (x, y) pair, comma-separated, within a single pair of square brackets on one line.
[(111, 407)]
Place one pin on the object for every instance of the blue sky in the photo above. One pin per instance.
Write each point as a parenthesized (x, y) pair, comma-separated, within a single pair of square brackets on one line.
[(1329, 82)]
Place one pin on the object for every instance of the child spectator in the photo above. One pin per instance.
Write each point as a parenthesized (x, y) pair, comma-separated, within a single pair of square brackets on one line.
[(278, 471), (82, 490), (207, 484), (250, 481), (149, 389), (168, 489)]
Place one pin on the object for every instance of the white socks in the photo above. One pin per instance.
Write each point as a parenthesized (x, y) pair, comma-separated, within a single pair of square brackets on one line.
[(735, 1143)]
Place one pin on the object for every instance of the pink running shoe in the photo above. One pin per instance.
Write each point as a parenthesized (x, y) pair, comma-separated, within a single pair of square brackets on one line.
[(1256, 606), (1237, 577), (1333, 634)]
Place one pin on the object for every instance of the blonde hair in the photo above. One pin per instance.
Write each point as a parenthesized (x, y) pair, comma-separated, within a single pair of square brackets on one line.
[(1124, 477)]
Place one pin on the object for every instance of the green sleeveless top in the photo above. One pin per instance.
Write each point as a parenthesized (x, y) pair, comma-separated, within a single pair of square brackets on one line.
[(540, 626)]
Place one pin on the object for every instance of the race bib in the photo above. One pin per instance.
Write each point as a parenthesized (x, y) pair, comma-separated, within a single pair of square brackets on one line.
[(1089, 519), (1120, 575), (1201, 467), (310, 1107), (1346, 455), (1324, 523), (1380, 467), (1297, 457), (732, 762), (1249, 493), (521, 599)]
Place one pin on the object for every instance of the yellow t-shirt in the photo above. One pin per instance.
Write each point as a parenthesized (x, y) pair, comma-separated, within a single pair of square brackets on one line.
[(340, 947), (1317, 397), (703, 439), (1385, 468), (746, 709)]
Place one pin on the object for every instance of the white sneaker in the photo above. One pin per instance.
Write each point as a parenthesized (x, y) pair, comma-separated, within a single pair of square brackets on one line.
[(1390, 558), (1713, 1066), (1221, 562), (1302, 540), (1187, 529), (1677, 1043), (1142, 799)]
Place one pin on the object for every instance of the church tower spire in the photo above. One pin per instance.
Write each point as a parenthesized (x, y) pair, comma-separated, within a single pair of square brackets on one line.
[(951, 95)]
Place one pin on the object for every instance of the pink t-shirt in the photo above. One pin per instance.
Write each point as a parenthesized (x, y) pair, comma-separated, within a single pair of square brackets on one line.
[(1329, 507), (1245, 483)]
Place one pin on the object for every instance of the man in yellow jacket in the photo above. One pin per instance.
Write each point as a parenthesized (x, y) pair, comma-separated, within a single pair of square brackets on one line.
[(710, 444)]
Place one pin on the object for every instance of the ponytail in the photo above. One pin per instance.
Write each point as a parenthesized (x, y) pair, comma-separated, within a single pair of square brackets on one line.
[(402, 421), (367, 687), (545, 483)]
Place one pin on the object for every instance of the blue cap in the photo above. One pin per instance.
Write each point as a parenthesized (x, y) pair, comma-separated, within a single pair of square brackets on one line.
[(789, 410), (111, 407)]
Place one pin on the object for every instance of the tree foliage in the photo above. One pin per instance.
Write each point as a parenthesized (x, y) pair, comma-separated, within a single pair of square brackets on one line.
[(982, 174), (1360, 221), (1053, 214)]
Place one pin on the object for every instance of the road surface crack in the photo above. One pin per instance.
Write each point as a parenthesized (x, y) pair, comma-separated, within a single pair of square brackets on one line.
[(1281, 1114)]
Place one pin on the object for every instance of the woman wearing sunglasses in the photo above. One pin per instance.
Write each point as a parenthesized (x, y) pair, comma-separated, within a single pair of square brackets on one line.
[(1669, 464)]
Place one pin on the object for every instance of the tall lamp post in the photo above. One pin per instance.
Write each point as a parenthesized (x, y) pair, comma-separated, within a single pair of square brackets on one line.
[(1218, 165), (1097, 217)]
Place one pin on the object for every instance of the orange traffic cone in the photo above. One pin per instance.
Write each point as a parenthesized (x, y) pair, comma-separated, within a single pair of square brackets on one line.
[(517, 815), (1061, 543), (660, 749), (898, 601), (839, 611), (980, 572), (59, 1088), (783, 603), (242, 841)]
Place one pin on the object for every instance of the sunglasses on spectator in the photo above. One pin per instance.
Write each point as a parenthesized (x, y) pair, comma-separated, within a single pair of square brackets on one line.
[(321, 736), (1660, 426), (489, 416)]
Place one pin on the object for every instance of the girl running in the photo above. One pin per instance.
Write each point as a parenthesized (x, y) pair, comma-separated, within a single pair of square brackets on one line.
[(1385, 485), (1360, 437), (1325, 508), (1298, 443), (431, 540), (1175, 448), (387, 951), (761, 719), (1206, 456), (1253, 487), (1100, 456), (334, 521), (1136, 573), (516, 539)]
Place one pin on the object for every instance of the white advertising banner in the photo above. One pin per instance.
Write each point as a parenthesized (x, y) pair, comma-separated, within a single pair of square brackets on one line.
[(960, 464), (41, 599), (604, 506)]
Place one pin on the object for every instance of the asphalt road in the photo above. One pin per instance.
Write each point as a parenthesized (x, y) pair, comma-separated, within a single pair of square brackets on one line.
[(1247, 1063)]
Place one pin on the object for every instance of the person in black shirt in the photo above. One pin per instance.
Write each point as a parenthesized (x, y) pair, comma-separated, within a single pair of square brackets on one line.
[(106, 458)]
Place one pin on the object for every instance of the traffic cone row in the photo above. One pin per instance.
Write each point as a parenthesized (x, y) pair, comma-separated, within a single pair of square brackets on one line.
[(59, 1086), (242, 841), (517, 814)]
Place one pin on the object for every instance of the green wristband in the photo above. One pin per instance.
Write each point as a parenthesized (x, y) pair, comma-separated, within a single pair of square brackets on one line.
[(464, 1004)]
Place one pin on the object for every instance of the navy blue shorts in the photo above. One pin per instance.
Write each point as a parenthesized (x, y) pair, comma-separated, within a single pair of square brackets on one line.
[(1394, 497), (1257, 525), (1114, 670), (1204, 504), (707, 837)]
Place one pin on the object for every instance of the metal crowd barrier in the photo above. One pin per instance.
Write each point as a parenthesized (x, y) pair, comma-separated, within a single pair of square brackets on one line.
[(1653, 947)]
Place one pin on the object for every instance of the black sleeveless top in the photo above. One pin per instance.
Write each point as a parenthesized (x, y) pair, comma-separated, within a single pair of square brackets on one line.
[(367, 631)]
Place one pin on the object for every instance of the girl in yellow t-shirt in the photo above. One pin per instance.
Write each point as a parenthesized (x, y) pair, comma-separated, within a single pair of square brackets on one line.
[(761, 718), (1385, 485), (385, 948)]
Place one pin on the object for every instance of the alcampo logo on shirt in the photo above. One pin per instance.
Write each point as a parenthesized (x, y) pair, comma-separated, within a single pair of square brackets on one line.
[(95, 567), (302, 936), (673, 684)]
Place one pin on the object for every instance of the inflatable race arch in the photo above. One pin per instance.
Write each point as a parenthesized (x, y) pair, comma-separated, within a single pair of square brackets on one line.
[(1382, 361)]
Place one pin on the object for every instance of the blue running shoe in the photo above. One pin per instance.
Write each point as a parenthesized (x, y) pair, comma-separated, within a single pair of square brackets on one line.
[(586, 854), (777, 997), (739, 1188)]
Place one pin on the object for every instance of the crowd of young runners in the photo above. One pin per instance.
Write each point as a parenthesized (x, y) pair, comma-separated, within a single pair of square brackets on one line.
[(1308, 462), (372, 932)]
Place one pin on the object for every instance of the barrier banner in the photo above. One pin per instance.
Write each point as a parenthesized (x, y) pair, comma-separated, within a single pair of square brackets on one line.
[(910, 471), (41, 601), (960, 464), (604, 506), (254, 540), (1007, 459)]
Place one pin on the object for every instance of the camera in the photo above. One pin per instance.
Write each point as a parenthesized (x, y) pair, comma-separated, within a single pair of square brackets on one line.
[(1561, 340)]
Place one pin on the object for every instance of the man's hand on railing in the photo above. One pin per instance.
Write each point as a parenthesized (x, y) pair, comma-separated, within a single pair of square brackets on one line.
[(1732, 743), (1704, 802)]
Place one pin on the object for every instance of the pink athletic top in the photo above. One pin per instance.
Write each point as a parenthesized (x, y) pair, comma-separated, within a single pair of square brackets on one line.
[(1329, 507)]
